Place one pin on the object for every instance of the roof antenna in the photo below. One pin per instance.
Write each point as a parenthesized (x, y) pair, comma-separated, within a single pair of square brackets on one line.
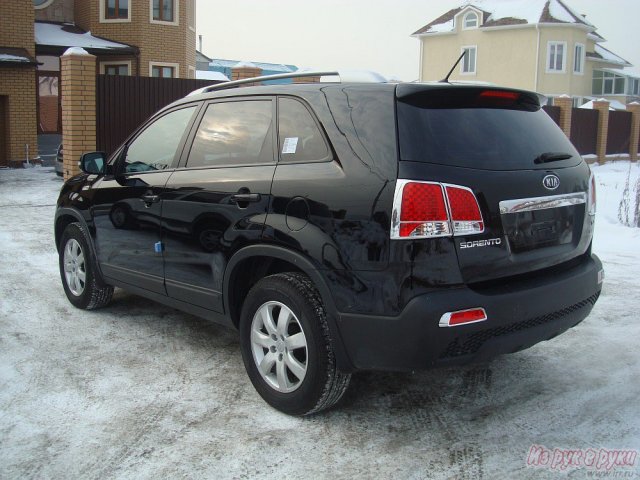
[(446, 79)]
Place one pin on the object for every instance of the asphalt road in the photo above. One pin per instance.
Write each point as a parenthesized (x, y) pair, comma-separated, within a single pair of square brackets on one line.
[(137, 390)]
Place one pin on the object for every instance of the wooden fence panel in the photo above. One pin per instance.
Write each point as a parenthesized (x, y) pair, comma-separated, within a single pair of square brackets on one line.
[(553, 112), (123, 103), (584, 130), (619, 132)]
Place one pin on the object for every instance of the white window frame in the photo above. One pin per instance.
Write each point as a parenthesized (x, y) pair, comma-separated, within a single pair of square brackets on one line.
[(103, 65), (44, 5), (176, 15), (464, 20), (176, 67), (564, 57), (582, 57), (475, 60), (104, 19)]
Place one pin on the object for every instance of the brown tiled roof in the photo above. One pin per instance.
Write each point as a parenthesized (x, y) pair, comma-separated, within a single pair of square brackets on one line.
[(545, 17), (441, 19), (504, 21)]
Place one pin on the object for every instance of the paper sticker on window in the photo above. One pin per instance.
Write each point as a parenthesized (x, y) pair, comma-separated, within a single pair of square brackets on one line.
[(290, 145)]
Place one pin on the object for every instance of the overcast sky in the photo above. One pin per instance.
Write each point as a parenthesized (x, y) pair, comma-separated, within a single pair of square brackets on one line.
[(364, 34)]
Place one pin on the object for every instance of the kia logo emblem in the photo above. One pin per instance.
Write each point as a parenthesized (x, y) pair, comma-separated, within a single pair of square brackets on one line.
[(551, 182)]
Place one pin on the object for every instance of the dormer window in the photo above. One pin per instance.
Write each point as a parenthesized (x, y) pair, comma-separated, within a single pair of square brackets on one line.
[(470, 20)]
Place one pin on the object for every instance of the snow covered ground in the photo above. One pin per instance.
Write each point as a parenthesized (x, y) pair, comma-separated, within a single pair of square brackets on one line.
[(138, 390)]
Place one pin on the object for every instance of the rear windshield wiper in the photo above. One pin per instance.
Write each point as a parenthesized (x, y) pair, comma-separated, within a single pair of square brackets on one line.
[(552, 157)]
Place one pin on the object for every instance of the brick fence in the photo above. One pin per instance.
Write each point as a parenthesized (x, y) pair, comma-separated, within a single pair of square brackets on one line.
[(79, 115), (616, 134)]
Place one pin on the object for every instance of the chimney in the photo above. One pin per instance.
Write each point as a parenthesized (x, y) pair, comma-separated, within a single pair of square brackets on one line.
[(200, 42)]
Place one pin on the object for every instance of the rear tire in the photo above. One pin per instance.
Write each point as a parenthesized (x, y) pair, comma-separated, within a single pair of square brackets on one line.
[(286, 346), (78, 270)]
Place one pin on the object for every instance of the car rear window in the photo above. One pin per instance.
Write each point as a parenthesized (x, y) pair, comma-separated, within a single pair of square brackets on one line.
[(479, 135)]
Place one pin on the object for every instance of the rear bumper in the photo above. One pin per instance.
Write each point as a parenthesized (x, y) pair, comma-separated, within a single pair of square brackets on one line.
[(520, 314)]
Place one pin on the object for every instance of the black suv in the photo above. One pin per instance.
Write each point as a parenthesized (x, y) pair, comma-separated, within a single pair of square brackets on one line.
[(342, 227)]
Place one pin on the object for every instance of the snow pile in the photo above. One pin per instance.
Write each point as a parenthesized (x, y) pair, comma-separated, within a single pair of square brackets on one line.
[(611, 236)]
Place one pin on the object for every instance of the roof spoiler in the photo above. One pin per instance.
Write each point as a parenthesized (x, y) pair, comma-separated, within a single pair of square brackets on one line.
[(346, 76)]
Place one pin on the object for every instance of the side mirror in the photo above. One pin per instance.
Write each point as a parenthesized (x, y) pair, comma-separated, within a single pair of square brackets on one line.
[(93, 163)]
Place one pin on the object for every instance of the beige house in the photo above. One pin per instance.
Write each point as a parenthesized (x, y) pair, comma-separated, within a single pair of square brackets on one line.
[(540, 45)]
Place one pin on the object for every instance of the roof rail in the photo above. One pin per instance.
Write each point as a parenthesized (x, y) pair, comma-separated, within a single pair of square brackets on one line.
[(346, 76)]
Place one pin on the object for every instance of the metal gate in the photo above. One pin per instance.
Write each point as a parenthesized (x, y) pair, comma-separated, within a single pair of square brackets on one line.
[(123, 103)]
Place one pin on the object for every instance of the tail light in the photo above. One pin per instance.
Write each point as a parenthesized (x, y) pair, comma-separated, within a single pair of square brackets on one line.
[(430, 209), (592, 195)]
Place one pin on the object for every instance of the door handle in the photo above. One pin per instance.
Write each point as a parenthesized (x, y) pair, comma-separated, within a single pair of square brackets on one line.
[(148, 199), (245, 198)]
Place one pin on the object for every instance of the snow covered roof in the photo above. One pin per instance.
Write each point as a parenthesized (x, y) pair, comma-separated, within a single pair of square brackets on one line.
[(209, 75), (602, 54), (12, 57), (613, 105), (68, 35), (514, 12), (275, 67)]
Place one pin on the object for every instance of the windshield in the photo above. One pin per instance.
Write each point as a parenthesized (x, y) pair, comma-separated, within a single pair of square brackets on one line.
[(482, 138)]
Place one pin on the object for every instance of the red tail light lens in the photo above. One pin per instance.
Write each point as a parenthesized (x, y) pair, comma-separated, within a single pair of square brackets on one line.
[(463, 317), (423, 212), (465, 211), (430, 209)]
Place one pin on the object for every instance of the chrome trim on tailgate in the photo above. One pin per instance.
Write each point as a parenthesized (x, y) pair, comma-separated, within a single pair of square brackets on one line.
[(542, 203)]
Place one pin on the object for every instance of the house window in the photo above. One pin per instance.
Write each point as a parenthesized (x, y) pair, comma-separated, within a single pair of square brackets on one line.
[(634, 86), (164, 70), (39, 4), (122, 70), (556, 57), (578, 59), (607, 83), (116, 9), (163, 10), (471, 20), (468, 66), (191, 14)]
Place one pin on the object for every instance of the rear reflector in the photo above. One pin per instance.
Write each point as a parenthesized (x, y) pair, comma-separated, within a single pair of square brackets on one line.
[(463, 317), (431, 209), (592, 195)]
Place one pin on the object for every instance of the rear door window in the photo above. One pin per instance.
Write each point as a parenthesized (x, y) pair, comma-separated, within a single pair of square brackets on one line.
[(299, 138), (233, 134), (479, 135)]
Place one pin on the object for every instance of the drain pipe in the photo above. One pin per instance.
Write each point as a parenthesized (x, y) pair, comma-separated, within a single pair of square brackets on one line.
[(535, 87), (26, 149)]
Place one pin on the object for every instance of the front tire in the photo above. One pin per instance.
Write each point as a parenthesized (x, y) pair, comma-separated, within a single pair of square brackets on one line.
[(286, 346), (78, 270)]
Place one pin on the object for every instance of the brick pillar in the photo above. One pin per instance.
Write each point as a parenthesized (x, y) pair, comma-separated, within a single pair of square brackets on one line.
[(78, 107), (565, 102), (602, 106), (312, 79), (634, 108), (244, 70)]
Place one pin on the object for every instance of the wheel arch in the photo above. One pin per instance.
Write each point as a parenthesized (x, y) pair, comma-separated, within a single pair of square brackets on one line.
[(64, 217), (253, 262)]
